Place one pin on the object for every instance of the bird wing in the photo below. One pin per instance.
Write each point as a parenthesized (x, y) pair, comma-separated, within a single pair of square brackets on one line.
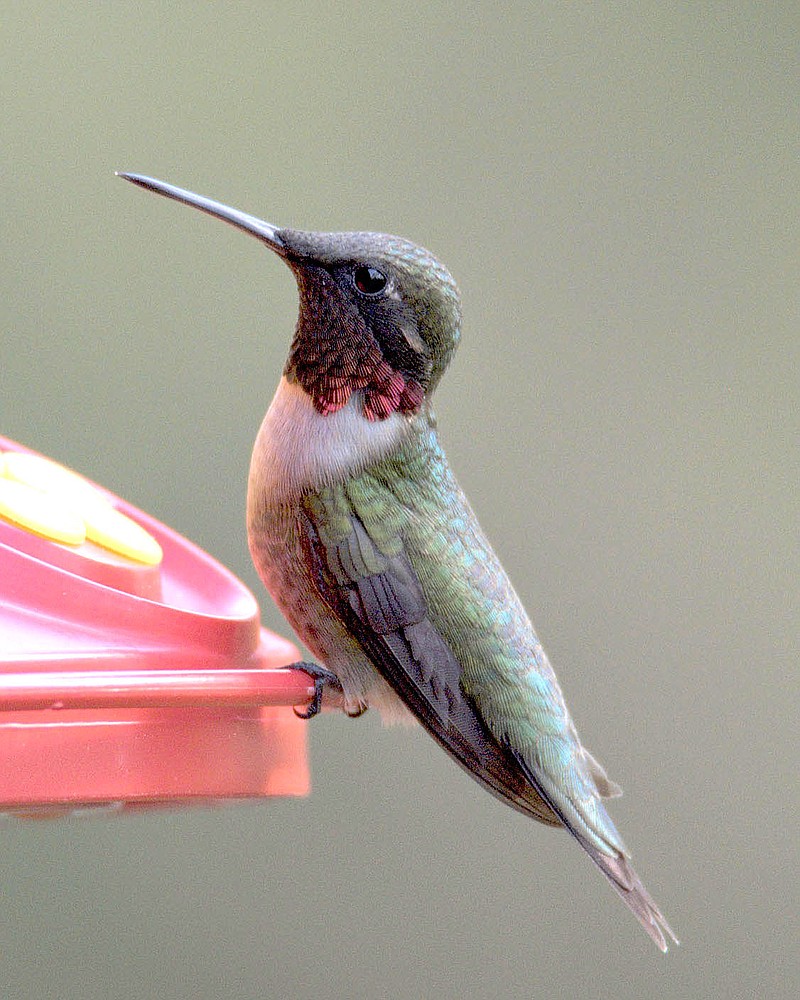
[(363, 556), (377, 595)]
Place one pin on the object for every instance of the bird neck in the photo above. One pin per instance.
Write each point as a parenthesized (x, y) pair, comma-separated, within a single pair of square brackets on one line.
[(299, 449)]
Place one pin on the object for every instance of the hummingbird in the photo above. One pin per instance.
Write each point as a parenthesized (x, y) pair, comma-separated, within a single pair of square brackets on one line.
[(368, 546)]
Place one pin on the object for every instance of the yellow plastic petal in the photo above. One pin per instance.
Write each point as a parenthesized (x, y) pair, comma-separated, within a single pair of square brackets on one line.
[(50, 477), (40, 513), (112, 530)]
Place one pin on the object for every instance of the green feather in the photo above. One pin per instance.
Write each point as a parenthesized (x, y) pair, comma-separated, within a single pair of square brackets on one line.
[(410, 502)]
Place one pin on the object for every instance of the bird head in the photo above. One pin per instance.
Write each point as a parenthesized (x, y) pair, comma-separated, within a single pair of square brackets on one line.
[(378, 315)]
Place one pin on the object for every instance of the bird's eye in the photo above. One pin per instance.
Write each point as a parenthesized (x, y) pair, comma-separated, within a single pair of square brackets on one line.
[(369, 280)]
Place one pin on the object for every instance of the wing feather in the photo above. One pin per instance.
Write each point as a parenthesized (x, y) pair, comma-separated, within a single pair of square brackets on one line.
[(379, 599)]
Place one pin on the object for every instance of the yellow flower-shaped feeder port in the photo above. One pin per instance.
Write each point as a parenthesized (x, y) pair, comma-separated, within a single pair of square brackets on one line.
[(56, 503)]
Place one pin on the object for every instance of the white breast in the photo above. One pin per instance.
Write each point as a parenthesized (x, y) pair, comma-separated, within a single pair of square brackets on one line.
[(297, 447)]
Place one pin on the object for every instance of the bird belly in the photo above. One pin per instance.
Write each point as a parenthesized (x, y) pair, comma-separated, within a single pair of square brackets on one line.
[(277, 551)]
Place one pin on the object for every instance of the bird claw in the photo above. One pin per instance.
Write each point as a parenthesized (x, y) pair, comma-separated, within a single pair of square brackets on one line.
[(322, 678)]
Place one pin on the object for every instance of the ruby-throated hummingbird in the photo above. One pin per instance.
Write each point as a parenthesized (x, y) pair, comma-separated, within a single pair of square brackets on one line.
[(368, 546)]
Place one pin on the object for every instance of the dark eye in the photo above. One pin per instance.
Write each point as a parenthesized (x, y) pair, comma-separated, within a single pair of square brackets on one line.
[(369, 280)]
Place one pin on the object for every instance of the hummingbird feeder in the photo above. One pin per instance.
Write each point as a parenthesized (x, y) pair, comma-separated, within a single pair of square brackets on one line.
[(133, 668)]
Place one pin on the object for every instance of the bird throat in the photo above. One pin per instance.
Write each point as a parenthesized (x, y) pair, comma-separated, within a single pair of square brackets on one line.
[(384, 390), (334, 354)]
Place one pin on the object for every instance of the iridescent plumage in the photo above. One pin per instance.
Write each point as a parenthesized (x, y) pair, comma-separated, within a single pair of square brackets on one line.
[(367, 544)]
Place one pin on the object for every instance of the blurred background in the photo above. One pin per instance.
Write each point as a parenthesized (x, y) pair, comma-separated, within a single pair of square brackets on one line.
[(615, 189)]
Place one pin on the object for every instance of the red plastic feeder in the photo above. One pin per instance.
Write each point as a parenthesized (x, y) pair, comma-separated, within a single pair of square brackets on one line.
[(128, 679)]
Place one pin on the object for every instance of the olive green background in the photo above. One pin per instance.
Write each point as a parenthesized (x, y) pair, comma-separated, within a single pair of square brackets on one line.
[(615, 187)]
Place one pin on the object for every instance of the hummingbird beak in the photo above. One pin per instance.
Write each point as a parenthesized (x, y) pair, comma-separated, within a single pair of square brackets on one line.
[(241, 220)]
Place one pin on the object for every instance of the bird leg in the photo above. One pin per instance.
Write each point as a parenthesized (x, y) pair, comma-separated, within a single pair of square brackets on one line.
[(322, 678)]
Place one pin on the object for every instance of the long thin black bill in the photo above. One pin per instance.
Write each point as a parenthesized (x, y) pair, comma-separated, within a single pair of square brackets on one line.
[(241, 220)]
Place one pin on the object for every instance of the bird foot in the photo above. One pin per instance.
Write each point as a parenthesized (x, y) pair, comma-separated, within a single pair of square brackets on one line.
[(322, 678)]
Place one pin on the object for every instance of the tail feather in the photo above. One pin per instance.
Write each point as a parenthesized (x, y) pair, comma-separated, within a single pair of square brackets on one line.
[(627, 883), (613, 863)]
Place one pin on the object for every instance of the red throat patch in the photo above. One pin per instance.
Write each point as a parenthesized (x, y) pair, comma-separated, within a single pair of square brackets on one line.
[(387, 392), (334, 354)]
